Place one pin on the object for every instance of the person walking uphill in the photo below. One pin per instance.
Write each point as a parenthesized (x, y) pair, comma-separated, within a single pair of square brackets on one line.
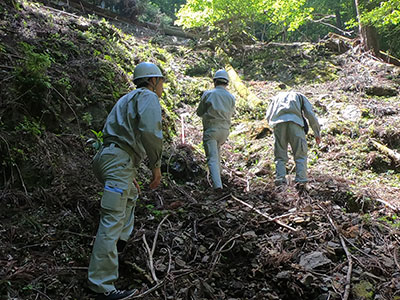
[(132, 131), (285, 116), (216, 109)]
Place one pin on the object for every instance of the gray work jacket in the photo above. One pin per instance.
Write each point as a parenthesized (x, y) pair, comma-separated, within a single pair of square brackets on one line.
[(288, 107), (216, 108), (134, 124)]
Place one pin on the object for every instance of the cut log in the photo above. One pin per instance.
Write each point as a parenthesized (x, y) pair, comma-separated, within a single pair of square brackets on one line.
[(249, 98), (389, 58), (168, 30), (389, 152), (176, 31), (338, 43)]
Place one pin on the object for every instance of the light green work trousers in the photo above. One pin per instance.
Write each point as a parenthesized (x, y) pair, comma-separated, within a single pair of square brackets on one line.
[(290, 133), (113, 167), (213, 138)]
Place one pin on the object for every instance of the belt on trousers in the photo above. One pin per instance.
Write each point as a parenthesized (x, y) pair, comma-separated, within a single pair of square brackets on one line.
[(120, 145)]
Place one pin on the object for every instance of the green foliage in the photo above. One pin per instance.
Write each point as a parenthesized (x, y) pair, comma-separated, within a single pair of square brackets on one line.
[(88, 118), (231, 17), (154, 13), (291, 20), (364, 290), (156, 213), (385, 16), (64, 83), (32, 72), (17, 4), (198, 69), (327, 16), (393, 221), (98, 134), (169, 7), (367, 219), (30, 126), (97, 141)]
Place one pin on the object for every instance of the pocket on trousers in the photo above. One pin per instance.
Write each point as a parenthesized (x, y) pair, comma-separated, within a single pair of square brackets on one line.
[(112, 200)]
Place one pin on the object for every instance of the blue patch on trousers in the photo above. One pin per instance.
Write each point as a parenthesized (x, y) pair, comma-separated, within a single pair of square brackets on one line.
[(113, 189)]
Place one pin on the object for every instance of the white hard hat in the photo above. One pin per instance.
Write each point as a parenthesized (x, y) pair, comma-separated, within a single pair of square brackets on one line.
[(221, 74), (146, 70)]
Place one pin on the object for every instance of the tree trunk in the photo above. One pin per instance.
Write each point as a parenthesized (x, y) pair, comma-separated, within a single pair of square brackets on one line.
[(358, 14), (370, 39), (263, 32), (339, 23), (284, 34), (368, 34)]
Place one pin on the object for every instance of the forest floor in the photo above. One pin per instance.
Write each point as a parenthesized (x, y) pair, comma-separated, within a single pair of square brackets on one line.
[(339, 240)]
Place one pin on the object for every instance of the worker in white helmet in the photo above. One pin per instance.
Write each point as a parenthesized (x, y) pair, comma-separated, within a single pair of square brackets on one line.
[(216, 109), (131, 132)]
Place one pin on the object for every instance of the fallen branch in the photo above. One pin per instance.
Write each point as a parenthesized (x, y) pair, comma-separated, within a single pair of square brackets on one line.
[(21, 178), (69, 105), (7, 67), (153, 248), (162, 283), (282, 216), (149, 290), (395, 258), (60, 12), (389, 152), (219, 251), (349, 259), (41, 293), (321, 21), (387, 204), (140, 271), (186, 194), (389, 58), (264, 215)]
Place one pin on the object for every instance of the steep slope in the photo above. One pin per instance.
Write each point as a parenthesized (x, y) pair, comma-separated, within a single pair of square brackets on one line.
[(60, 74)]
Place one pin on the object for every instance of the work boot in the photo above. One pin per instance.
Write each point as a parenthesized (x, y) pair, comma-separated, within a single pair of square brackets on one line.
[(116, 295), (216, 194), (280, 182), (280, 185), (218, 191), (221, 192), (281, 188), (302, 187)]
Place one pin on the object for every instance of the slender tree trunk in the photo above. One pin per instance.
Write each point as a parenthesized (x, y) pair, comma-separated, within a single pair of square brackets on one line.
[(339, 22), (358, 16), (263, 32)]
